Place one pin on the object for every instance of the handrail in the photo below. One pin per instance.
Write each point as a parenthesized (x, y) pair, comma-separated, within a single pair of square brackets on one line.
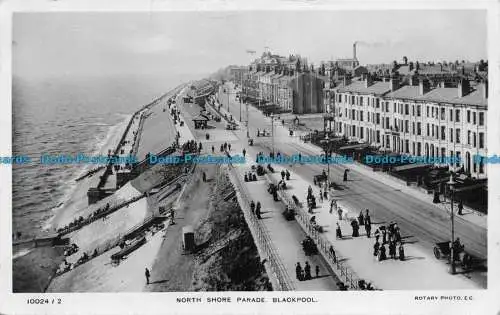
[(261, 235)]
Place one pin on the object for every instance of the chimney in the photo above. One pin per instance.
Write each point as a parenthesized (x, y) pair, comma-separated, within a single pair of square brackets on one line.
[(347, 79), (394, 83), (413, 80), (424, 86), (442, 84), (463, 87), (368, 79), (354, 51)]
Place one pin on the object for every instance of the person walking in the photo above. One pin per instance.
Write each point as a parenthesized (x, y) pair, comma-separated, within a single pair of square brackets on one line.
[(382, 253), (257, 211), (377, 235), (401, 252), (368, 219), (229, 146), (338, 231), (213, 149), (339, 211), (147, 274), (307, 271), (298, 271), (392, 250), (333, 256), (317, 271), (368, 229), (376, 248), (355, 228), (287, 174), (204, 177), (361, 218), (460, 207), (244, 153)]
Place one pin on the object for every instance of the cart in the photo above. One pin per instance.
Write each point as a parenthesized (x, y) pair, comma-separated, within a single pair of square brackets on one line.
[(319, 179), (442, 250)]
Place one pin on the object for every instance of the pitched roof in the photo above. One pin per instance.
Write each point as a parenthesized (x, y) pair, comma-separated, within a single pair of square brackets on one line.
[(439, 95), (377, 88), (407, 91)]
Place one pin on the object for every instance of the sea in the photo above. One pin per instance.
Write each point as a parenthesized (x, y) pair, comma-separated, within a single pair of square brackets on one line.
[(67, 115)]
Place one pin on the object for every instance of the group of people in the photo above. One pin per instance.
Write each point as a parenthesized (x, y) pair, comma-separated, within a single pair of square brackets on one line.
[(81, 221), (256, 209), (250, 177), (391, 235), (305, 273), (311, 199)]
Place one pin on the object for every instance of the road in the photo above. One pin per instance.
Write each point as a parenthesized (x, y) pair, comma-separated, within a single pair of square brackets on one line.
[(421, 222)]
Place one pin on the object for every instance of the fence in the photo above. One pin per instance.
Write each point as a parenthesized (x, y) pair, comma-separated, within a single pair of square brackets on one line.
[(342, 270), (261, 236)]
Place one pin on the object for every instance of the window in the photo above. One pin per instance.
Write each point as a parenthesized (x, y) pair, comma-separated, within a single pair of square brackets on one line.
[(481, 140), (443, 114), (378, 136), (481, 119), (451, 134), (457, 163), (407, 109), (361, 134), (481, 166), (387, 122), (474, 139), (468, 116), (377, 104), (457, 115), (427, 130), (413, 110), (407, 146), (474, 118), (378, 118), (457, 135), (394, 107), (406, 126), (432, 130), (468, 136), (361, 116), (451, 114), (418, 111), (412, 128), (353, 114), (419, 129), (427, 111), (443, 133)]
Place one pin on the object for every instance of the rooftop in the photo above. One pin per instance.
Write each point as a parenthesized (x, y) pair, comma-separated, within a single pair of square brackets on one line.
[(377, 88)]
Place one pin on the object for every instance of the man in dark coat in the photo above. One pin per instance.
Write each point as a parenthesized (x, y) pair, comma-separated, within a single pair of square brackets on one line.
[(392, 250), (361, 218), (298, 271), (307, 271), (355, 228), (368, 229), (257, 211), (401, 252)]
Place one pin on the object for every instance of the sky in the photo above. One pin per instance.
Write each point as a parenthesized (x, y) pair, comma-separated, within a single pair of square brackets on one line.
[(198, 43)]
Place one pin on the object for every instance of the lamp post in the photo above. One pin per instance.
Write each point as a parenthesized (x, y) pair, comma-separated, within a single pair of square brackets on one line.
[(451, 183), (327, 147), (272, 131)]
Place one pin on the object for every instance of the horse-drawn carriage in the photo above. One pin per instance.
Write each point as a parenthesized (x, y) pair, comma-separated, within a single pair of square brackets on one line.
[(319, 179), (442, 250)]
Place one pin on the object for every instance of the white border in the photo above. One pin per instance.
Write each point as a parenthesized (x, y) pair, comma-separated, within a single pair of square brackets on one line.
[(400, 302)]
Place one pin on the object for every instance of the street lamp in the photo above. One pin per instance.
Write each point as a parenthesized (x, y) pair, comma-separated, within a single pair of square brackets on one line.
[(327, 147), (272, 131), (451, 183)]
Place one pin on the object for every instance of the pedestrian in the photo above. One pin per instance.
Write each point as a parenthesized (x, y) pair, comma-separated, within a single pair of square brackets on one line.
[(309, 192), (307, 271), (397, 234), (392, 250), (367, 218), (401, 252), (252, 206), (377, 234), (287, 173), (204, 177), (376, 248), (361, 218), (213, 149), (257, 210), (368, 229), (244, 152), (282, 175), (229, 146), (298, 271), (221, 148), (339, 211), (147, 274), (338, 231), (384, 234), (382, 253), (333, 255), (317, 271), (355, 228), (460, 207), (321, 196), (345, 175)]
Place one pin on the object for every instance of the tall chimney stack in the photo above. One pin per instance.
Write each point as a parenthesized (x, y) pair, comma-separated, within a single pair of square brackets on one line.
[(463, 87), (354, 51)]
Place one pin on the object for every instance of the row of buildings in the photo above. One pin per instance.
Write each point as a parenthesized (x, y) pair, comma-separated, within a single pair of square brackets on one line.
[(422, 109)]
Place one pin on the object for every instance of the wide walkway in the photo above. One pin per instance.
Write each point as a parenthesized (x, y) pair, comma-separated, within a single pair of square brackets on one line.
[(418, 271)]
